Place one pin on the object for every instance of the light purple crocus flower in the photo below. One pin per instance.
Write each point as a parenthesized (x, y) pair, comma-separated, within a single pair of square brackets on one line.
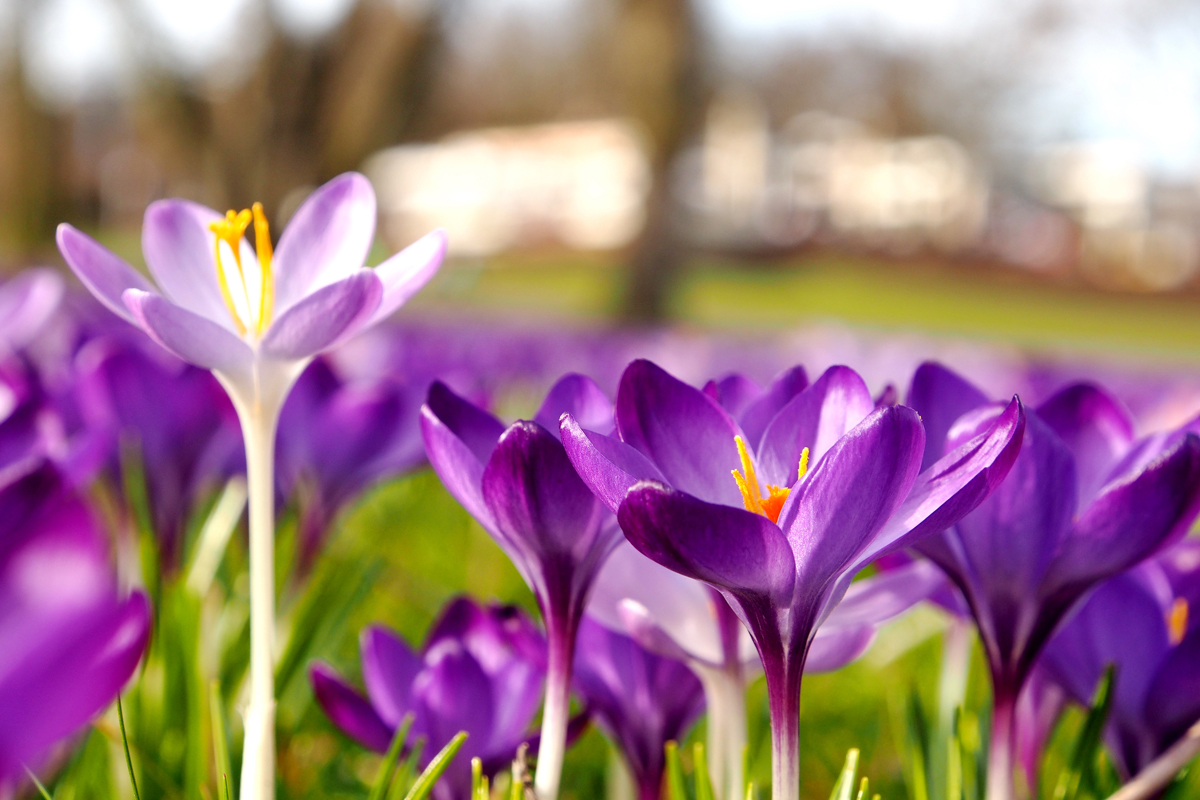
[(520, 486), (640, 699), (27, 301), (785, 557), (256, 318), (1142, 622), (1078, 507), (68, 640), (480, 671)]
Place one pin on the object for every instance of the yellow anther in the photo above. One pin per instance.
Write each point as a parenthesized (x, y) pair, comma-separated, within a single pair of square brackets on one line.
[(803, 464), (230, 231), (752, 496), (262, 246), (1177, 619)]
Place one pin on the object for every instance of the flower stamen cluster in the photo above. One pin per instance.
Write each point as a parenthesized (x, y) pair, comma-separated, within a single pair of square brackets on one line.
[(258, 298), (1177, 621), (752, 496)]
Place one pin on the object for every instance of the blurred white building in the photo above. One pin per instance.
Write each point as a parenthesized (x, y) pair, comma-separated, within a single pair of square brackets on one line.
[(578, 184)]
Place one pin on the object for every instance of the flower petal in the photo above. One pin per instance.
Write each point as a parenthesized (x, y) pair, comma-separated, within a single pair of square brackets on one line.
[(180, 252), (832, 515), (320, 320), (406, 272), (608, 466), (887, 595), (193, 338), (940, 396), (1173, 700), (326, 241), (453, 447), (734, 393), (816, 418), (26, 302), (759, 413), (683, 431), (725, 546), (477, 429), (105, 275), (348, 710), (579, 396), (388, 668), (834, 648), (1097, 429)]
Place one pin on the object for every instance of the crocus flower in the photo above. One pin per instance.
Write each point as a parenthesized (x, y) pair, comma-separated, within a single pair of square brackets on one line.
[(337, 437), (68, 640), (686, 483), (520, 486), (256, 317), (1140, 621), (26, 303), (1078, 507), (480, 671), (639, 698)]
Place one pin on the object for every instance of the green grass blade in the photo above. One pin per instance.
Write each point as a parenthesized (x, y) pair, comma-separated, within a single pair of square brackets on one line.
[(426, 780), (41, 789), (844, 788), (751, 794), (676, 788), (387, 769), (407, 769), (476, 776), (1079, 776), (216, 712), (704, 788), (863, 790), (125, 743)]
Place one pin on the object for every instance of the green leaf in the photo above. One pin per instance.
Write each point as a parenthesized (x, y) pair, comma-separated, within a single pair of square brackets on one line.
[(704, 788), (426, 780), (844, 788), (41, 789), (407, 769), (216, 712), (1080, 775), (387, 768), (125, 742), (863, 789), (676, 788)]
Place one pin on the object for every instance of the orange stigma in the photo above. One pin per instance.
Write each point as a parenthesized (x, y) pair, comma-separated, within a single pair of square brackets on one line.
[(752, 496), (1177, 619)]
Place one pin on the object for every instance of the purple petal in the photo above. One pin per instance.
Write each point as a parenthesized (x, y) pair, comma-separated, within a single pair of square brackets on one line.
[(454, 694), (454, 461), (779, 393), (193, 338), (26, 303), (579, 396), (477, 429), (715, 543), (348, 710), (388, 668), (734, 393), (940, 396), (683, 431), (1131, 520), (180, 252), (105, 275), (832, 514), (608, 466), (816, 418), (405, 273), (887, 595), (836, 647), (541, 507), (1173, 700), (1096, 428), (321, 319), (326, 241)]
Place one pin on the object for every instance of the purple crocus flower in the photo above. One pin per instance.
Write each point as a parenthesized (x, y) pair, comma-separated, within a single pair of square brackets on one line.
[(1078, 507), (68, 640), (1141, 622), (480, 671), (256, 318), (687, 488), (26, 303), (519, 484), (337, 437), (640, 699)]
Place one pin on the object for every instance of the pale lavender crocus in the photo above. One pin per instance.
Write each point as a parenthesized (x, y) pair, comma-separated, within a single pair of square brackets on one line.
[(256, 317), (1083, 502), (690, 494), (519, 485)]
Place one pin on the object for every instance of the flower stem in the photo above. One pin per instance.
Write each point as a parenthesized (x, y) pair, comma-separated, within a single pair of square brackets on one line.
[(725, 695), (784, 669), (1000, 756), (258, 760), (553, 742)]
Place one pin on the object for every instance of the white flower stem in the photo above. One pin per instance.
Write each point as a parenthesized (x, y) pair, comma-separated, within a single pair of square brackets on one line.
[(725, 695), (555, 713)]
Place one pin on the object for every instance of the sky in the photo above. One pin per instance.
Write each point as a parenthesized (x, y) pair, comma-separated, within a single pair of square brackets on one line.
[(1113, 72)]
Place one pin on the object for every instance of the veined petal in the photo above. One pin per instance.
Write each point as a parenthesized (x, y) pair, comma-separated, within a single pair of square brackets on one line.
[(834, 648), (104, 274), (321, 319), (940, 396), (882, 597), (683, 431), (608, 466), (326, 241), (388, 668), (180, 252), (1097, 429), (348, 710), (196, 339), (816, 418), (477, 429), (725, 546), (406, 272), (830, 517), (759, 413), (457, 465), (579, 396)]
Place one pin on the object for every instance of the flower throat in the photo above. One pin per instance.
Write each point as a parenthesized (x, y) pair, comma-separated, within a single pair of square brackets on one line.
[(231, 230), (771, 504)]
